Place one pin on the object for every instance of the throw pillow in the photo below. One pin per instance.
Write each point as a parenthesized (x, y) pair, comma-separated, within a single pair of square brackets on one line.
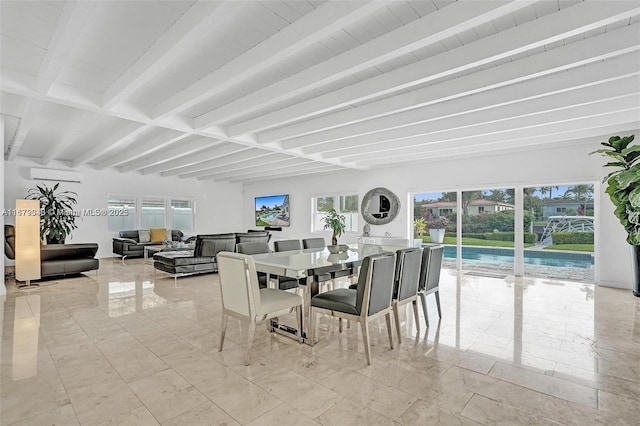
[(158, 234), (168, 235), (144, 236)]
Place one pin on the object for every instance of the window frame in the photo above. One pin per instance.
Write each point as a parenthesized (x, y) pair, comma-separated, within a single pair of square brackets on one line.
[(316, 226), (168, 214)]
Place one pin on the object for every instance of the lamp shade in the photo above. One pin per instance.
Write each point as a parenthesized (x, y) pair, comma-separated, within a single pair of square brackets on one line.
[(27, 240)]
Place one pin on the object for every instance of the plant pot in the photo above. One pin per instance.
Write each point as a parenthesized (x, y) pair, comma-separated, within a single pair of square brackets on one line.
[(437, 235), (635, 268), (51, 240), (335, 249)]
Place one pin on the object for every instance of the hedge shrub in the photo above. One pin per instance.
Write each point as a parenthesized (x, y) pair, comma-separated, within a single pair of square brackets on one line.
[(572, 238), (529, 238)]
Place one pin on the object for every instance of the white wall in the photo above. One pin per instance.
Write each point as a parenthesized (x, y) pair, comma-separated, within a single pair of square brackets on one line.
[(216, 203), (3, 289), (552, 165)]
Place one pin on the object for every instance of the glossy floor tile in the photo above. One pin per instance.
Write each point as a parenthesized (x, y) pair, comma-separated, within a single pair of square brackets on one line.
[(127, 347)]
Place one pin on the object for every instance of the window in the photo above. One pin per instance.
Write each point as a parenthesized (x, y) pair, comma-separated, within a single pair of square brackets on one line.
[(121, 213), (346, 205), (130, 212), (182, 214), (154, 213), (561, 209), (481, 209)]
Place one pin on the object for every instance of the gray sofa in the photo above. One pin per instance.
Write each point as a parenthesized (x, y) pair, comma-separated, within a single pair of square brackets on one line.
[(58, 259), (127, 243), (202, 259)]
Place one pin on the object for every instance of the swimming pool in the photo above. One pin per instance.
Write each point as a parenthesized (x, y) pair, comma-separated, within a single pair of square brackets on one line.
[(531, 257)]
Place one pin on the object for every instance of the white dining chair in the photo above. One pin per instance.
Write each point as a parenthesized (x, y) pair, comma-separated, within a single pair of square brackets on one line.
[(242, 297)]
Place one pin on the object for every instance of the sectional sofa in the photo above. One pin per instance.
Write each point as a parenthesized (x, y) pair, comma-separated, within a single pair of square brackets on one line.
[(202, 259), (129, 244)]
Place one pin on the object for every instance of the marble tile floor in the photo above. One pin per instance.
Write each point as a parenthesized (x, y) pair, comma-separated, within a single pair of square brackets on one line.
[(126, 347)]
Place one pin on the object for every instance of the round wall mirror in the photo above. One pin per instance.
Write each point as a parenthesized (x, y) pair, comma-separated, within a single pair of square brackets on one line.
[(379, 206)]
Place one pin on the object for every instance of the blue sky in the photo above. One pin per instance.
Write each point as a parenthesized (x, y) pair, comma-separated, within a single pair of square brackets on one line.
[(269, 201)]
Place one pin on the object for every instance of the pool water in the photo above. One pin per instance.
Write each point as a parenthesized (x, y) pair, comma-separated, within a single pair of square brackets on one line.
[(531, 257)]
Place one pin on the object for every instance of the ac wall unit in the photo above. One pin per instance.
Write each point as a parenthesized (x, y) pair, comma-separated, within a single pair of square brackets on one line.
[(55, 175)]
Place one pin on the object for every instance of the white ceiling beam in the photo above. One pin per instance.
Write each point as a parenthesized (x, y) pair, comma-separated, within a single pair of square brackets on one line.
[(311, 170), (71, 136), (28, 116), (585, 135), (531, 35), (198, 19), (575, 79), (16, 84), (309, 29), (280, 171), (256, 164), (170, 153), (73, 19), (427, 30), (509, 136), (140, 148), (531, 67), (69, 27), (219, 151), (473, 126), (292, 165), (530, 108), (239, 157), (113, 141)]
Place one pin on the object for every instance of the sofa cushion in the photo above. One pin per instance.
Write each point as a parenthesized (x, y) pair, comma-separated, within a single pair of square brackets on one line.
[(144, 236), (158, 235)]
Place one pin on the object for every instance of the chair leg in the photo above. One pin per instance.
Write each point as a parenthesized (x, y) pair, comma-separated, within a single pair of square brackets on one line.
[(437, 293), (339, 325), (365, 338), (252, 333), (312, 327), (225, 319), (388, 318), (397, 318), (299, 322), (414, 302), (423, 299)]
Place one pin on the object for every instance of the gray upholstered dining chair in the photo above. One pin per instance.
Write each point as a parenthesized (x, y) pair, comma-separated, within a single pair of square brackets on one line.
[(287, 283), (405, 289), (243, 299), (430, 277), (330, 277), (369, 301), (255, 248)]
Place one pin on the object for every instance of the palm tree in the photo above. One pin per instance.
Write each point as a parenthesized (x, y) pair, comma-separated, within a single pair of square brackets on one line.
[(580, 192), (551, 191)]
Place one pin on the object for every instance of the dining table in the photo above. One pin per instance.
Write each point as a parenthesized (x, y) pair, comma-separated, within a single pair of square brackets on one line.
[(304, 265)]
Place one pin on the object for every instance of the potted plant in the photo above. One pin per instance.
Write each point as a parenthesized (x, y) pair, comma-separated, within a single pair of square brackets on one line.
[(419, 228), (57, 218), (623, 187), (336, 222), (437, 227)]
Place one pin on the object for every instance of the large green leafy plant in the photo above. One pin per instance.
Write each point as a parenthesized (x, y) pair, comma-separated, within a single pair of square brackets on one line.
[(58, 217), (624, 183), (336, 222)]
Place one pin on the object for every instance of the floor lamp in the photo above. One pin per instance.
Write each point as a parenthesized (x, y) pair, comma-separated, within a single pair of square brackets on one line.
[(27, 240)]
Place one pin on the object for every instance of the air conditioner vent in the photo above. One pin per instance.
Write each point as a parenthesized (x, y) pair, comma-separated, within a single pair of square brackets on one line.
[(55, 175)]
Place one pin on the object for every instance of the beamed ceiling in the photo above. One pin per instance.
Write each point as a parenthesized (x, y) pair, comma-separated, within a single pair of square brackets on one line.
[(241, 91)]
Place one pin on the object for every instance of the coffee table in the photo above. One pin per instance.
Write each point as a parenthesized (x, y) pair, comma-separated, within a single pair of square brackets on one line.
[(151, 250)]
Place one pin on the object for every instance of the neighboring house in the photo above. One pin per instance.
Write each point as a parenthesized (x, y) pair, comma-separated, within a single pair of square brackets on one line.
[(565, 207), (481, 206)]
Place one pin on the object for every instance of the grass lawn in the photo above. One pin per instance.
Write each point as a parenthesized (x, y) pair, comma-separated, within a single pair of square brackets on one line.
[(571, 247), (476, 242)]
